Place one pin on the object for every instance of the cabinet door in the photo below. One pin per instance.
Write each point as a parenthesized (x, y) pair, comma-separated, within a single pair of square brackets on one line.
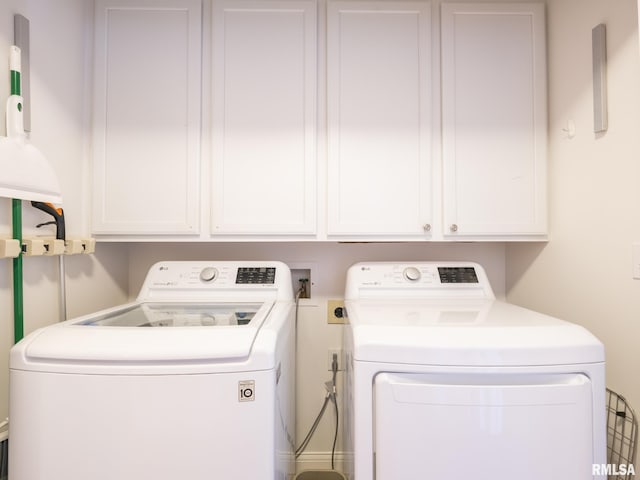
[(379, 145), (146, 117), (494, 120), (264, 117)]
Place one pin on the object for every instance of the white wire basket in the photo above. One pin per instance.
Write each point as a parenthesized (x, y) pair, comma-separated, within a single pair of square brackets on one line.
[(622, 434)]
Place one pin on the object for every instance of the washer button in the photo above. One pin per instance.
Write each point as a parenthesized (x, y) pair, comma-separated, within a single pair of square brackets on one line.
[(412, 274), (208, 274)]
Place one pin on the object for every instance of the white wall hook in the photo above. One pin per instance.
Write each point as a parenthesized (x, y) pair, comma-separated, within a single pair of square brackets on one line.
[(569, 130)]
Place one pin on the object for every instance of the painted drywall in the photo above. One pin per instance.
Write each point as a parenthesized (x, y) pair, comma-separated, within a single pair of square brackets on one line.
[(59, 129), (584, 273), (60, 37)]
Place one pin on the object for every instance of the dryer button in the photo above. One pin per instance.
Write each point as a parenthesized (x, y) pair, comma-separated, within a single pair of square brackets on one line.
[(208, 274), (412, 274)]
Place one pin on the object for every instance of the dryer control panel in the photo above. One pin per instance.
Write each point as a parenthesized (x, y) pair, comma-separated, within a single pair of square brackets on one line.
[(418, 279)]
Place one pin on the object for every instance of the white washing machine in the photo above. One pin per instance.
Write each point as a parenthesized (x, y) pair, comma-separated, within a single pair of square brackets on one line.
[(194, 380), (445, 382)]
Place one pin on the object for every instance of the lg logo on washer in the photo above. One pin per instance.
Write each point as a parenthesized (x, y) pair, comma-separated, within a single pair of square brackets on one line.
[(247, 391)]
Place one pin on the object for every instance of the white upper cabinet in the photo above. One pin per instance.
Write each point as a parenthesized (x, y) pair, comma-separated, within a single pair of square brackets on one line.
[(436, 125), (264, 73), (379, 119), (494, 120), (146, 154)]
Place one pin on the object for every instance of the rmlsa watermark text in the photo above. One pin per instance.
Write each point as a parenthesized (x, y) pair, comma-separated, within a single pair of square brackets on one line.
[(613, 469)]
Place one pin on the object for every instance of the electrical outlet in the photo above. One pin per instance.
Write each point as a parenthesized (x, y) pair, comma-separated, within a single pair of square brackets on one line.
[(335, 311), (340, 354)]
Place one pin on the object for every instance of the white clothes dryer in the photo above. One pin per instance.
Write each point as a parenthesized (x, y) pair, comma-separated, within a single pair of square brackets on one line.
[(194, 380), (444, 381)]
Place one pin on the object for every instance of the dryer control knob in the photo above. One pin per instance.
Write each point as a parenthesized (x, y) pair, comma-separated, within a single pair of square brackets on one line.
[(412, 274), (208, 274)]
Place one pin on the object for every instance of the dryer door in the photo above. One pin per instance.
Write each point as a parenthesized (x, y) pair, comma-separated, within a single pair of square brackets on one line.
[(529, 427)]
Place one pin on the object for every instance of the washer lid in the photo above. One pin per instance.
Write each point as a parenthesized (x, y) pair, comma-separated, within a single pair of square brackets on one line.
[(177, 315), (465, 333), (152, 333)]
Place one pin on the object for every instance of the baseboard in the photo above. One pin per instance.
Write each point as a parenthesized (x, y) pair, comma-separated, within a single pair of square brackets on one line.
[(319, 461)]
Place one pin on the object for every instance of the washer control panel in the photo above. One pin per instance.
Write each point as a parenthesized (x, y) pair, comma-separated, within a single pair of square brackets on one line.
[(458, 275), (430, 279), (412, 274), (190, 279), (264, 275), (208, 274)]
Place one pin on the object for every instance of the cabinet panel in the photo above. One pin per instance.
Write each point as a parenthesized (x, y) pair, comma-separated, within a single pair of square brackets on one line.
[(379, 150), (147, 117), (264, 117), (494, 119)]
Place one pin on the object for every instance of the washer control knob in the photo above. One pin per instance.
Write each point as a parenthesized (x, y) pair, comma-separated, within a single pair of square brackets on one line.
[(412, 274), (208, 274)]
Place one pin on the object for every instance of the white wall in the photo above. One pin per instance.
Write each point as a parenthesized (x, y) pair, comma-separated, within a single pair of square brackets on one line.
[(58, 38), (584, 273), (315, 336)]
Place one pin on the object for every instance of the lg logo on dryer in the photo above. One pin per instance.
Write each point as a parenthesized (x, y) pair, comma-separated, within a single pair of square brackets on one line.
[(246, 391)]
